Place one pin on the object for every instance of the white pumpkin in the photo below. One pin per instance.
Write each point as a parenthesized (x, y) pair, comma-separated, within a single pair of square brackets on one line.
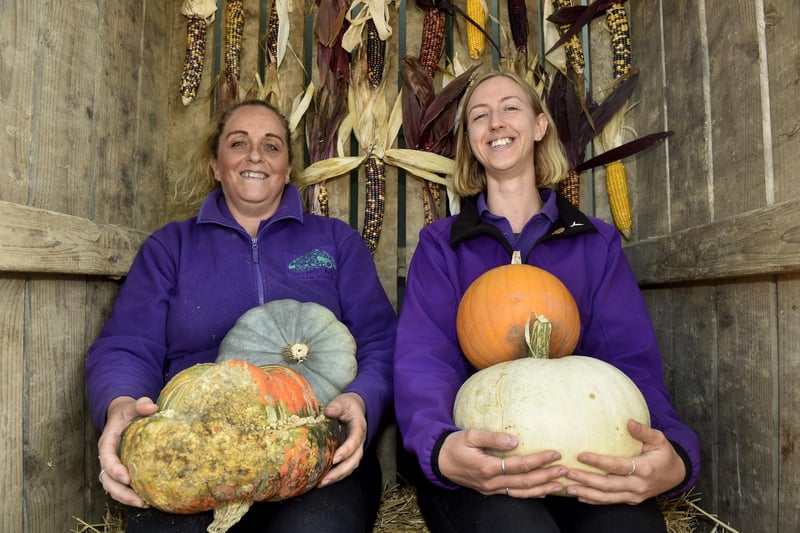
[(573, 404), (304, 336)]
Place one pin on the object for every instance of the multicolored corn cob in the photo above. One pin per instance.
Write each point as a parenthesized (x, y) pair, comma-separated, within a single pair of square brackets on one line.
[(518, 22), (194, 59), (375, 173), (573, 48), (234, 29), (273, 24), (431, 46), (376, 55)]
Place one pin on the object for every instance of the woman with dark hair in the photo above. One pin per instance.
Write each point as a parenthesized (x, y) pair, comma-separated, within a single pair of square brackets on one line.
[(193, 279)]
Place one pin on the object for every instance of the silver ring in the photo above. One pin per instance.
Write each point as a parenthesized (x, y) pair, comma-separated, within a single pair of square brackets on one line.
[(506, 491), (503, 467), (100, 476), (633, 467)]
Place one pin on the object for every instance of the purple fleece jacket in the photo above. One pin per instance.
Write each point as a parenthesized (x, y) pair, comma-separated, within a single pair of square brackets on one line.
[(585, 253), (192, 280)]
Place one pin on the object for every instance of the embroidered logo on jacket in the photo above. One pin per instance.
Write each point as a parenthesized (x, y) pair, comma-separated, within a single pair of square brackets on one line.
[(314, 264)]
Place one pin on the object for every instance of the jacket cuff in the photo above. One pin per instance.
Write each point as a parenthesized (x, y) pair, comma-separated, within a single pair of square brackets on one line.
[(437, 447), (687, 463)]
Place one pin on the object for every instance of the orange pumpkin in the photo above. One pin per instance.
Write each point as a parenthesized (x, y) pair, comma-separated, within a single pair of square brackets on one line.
[(228, 434), (496, 307)]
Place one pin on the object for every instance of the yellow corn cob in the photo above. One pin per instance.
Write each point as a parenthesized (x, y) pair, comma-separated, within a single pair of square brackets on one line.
[(573, 47), (376, 52), (234, 27), (375, 173), (570, 187), (618, 199), (195, 57), (617, 18), (476, 40), (272, 33)]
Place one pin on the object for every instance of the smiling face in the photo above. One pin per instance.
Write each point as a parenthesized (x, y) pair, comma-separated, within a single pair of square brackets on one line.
[(252, 162), (502, 127)]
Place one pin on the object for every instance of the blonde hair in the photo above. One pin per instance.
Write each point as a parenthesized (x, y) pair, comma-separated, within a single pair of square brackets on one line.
[(548, 154), (196, 179)]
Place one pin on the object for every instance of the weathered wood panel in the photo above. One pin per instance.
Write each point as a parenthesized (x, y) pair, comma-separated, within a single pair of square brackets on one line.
[(649, 181), (53, 411), (12, 401), (38, 240), (781, 21), (735, 86), (761, 242), (788, 293), (683, 202), (748, 425)]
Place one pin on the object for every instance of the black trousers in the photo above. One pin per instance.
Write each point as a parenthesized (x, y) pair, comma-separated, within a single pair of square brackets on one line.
[(351, 505), (468, 511)]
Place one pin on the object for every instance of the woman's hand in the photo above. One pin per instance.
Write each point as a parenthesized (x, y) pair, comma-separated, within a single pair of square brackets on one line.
[(463, 459), (658, 469), (350, 410), (113, 475)]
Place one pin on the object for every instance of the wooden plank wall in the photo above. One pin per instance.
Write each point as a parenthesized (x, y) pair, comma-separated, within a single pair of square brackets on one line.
[(94, 134), (715, 239), (82, 171)]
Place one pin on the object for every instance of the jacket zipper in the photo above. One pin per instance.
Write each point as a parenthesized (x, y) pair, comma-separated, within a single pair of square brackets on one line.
[(257, 268)]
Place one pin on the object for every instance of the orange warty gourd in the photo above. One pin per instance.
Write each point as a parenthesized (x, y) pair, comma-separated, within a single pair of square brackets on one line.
[(226, 435), (496, 307)]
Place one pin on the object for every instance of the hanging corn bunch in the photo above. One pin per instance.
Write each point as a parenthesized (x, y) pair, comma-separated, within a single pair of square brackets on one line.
[(570, 186), (616, 176), (518, 22), (234, 30), (373, 17), (200, 13), (573, 46)]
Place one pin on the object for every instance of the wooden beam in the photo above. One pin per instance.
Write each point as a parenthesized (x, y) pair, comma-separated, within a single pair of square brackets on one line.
[(761, 242), (38, 240)]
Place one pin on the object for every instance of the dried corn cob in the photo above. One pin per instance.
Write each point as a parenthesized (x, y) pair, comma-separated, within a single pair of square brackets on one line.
[(518, 22), (573, 47), (431, 47), (375, 173), (570, 187), (376, 54), (234, 28), (272, 33), (195, 58), (476, 41), (616, 176), (432, 44), (618, 199)]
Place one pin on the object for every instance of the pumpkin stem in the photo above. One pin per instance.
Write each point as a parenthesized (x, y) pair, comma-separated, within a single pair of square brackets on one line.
[(537, 336), (227, 514), (295, 353)]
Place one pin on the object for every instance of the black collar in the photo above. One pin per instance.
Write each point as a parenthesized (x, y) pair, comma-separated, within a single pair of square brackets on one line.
[(468, 224)]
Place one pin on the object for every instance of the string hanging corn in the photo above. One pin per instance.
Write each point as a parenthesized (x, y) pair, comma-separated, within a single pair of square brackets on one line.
[(375, 197), (234, 29), (573, 47), (518, 22), (199, 13), (616, 175), (273, 25), (476, 41), (431, 46), (376, 54), (195, 57)]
